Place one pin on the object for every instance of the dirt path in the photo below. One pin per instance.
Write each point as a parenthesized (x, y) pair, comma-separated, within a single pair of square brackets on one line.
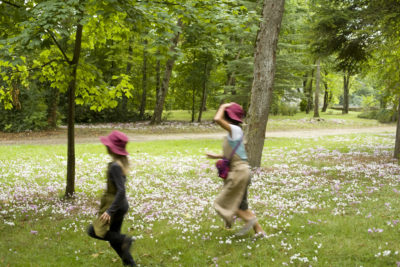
[(59, 137)]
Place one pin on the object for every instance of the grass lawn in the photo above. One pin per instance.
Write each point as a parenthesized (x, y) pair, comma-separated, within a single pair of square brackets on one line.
[(330, 119), (328, 201)]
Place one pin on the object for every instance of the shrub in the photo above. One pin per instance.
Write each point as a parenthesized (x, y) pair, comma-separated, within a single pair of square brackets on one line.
[(382, 115), (32, 116)]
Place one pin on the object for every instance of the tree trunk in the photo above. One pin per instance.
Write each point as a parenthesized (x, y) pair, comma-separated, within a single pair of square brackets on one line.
[(263, 78), (326, 97), (158, 78), (144, 83), (162, 93), (346, 79), (397, 142), (124, 104), (326, 94), (231, 79), (53, 105), (309, 92), (204, 95), (193, 101), (316, 96), (70, 188)]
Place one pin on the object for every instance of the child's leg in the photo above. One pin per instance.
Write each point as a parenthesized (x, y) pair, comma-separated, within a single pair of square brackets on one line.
[(251, 221), (91, 233), (119, 242)]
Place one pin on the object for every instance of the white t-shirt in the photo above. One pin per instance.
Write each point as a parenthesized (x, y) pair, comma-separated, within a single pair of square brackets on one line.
[(236, 133)]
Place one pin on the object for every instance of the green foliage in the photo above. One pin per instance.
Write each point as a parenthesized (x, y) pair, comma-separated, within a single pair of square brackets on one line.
[(382, 115), (32, 114)]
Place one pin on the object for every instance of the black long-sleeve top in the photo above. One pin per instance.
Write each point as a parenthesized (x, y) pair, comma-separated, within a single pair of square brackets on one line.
[(116, 182)]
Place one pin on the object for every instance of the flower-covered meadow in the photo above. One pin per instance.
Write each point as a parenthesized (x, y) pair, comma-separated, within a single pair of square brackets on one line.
[(328, 201)]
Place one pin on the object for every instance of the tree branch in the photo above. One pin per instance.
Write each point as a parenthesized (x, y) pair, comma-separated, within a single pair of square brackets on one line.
[(58, 45), (31, 69), (11, 4)]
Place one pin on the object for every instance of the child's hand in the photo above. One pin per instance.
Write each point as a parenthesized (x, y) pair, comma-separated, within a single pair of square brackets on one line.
[(105, 217), (213, 156)]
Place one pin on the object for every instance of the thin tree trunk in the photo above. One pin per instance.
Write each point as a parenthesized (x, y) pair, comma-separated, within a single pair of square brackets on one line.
[(316, 96), (144, 83), (346, 78), (124, 104), (309, 92), (52, 115), (326, 93), (162, 93), (70, 188), (397, 142), (158, 78), (204, 95), (231, 79), (326, 97), (263, 78), (193, 101)]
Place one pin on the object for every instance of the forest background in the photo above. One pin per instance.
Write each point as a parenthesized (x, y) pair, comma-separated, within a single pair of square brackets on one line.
[(324, 200), (188, 55)]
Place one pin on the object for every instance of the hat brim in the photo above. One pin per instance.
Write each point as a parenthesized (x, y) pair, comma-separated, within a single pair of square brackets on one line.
[(106, 141), (233, 116)]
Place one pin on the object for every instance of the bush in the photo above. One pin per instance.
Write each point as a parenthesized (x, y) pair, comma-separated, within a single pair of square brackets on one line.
[(303, 105), (287, 109), (32, 116), (85, 115), (382, 115)]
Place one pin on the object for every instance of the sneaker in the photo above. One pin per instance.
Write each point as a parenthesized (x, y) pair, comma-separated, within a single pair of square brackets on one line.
[(246, 228), (260, 235)]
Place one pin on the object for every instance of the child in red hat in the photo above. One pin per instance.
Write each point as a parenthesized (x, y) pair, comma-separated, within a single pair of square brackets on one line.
[(232, 199), (114, 204)]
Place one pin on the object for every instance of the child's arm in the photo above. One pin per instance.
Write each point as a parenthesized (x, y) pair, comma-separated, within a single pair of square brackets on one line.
[(219, 117), (214, 156), (116, 175)]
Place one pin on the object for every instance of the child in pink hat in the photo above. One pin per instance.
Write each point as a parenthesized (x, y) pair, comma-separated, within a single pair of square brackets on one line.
[(114, 204), (232, 199)]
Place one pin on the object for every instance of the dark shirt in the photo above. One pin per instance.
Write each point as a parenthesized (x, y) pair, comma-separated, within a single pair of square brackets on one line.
[(117, 179)]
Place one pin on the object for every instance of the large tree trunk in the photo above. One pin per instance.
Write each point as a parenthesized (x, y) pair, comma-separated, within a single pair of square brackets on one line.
[(144, 83), (162, 93), (70, 188), (263, 79), (397, 142), (316, 96), (204, 94), (346, 79)]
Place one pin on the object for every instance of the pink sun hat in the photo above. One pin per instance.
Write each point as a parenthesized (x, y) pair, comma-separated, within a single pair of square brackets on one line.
[(235, 112), (116, 141)]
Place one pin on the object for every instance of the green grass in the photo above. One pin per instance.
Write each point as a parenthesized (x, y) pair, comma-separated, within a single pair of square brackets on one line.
[(164, 171), (330, 119), (186, 115)]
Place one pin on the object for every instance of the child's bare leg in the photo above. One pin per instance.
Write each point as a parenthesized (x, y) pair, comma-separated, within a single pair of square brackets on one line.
[(248, 216)]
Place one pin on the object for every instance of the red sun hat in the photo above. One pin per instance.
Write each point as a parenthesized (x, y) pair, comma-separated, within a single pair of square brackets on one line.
[(116, 141), (235, 112)]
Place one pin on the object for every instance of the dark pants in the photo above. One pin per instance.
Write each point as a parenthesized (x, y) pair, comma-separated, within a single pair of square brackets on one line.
[(115, 238)]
